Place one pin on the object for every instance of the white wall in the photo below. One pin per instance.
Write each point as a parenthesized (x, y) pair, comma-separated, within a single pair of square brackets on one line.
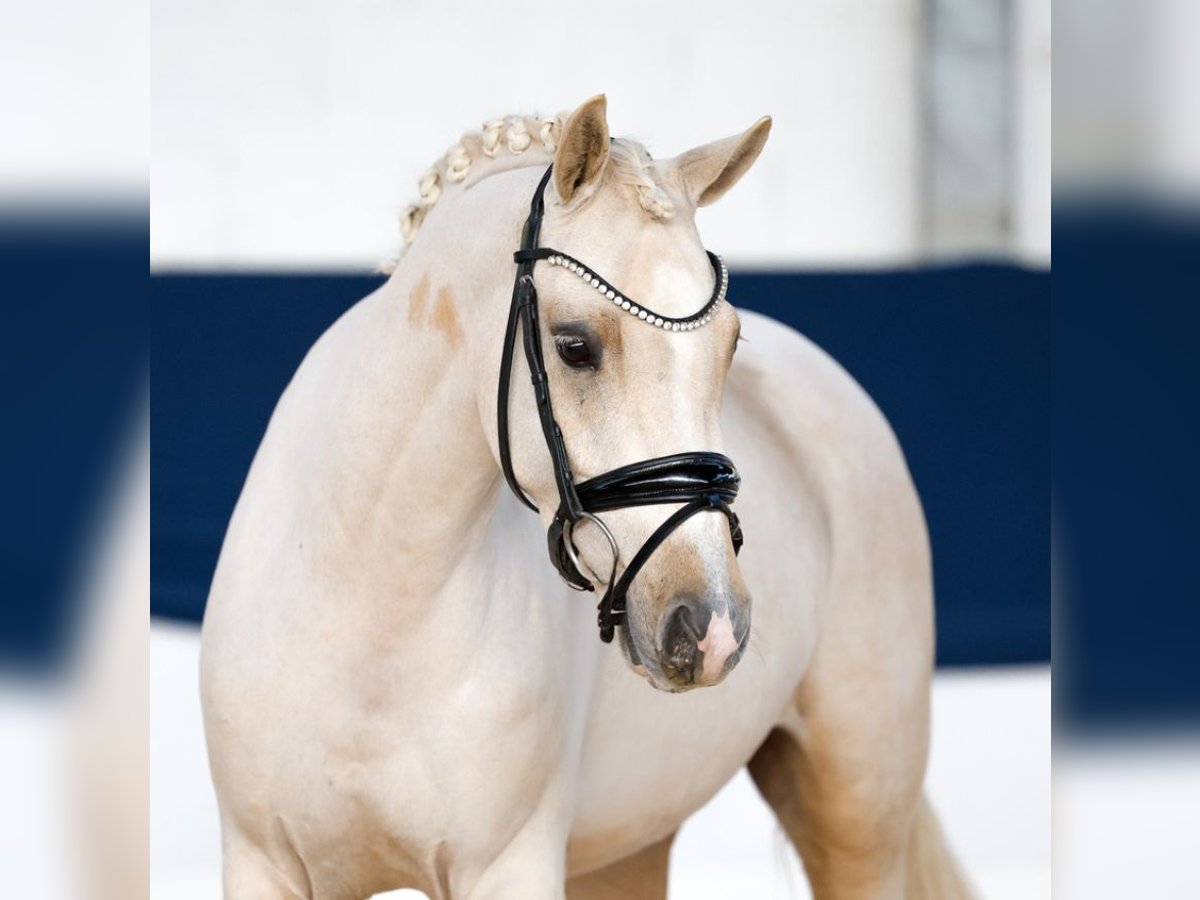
[(1031, 132), (290, 133), (74, 98), (966, 70)]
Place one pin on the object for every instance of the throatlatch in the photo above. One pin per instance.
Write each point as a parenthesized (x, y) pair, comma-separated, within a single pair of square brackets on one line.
[(700, 481)]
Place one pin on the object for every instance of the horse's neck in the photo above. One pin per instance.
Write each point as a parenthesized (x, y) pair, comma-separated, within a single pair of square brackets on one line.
[(402, 474), (400, 481)]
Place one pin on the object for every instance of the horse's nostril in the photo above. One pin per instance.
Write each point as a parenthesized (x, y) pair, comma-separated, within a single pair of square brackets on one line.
[(679, 641)]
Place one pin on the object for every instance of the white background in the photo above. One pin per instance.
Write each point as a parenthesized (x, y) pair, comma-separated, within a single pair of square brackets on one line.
[(289, 133)]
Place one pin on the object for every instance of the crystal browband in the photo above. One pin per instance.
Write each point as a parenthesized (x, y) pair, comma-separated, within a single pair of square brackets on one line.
[(610, 293)]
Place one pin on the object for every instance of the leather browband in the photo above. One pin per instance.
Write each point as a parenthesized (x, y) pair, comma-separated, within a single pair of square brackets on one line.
[(701, 481)]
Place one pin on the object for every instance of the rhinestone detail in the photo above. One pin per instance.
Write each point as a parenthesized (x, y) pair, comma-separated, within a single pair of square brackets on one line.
[(688, 323)]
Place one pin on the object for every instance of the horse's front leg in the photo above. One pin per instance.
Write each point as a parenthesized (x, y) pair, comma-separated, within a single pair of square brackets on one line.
[(532, 865), (642, 876), (843, 773)]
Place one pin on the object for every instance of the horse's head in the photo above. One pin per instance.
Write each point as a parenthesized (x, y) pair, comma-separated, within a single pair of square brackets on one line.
[(626, 389)]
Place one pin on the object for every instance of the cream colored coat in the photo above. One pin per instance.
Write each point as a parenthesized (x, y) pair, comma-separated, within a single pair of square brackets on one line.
[(399, 691)]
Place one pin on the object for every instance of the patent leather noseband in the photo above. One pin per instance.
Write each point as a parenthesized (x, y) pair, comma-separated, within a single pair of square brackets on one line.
[(701, 481)]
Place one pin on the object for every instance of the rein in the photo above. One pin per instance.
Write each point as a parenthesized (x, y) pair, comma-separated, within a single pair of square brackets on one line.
[(701, 480)]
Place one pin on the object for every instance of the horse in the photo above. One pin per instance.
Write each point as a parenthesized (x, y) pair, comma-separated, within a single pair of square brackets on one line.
[(399, 692)]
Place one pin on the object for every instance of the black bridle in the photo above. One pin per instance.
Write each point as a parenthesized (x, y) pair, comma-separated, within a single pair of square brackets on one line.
[(701, 481)]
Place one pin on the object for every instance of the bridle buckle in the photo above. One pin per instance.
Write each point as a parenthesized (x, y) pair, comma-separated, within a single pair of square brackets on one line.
[(573, 552)]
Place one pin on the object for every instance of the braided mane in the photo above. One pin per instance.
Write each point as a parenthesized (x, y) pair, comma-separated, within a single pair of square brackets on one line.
[(510, 136)]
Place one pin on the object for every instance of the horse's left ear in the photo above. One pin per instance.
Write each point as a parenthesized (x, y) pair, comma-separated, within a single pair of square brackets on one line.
[(582, 148), (708, 172)]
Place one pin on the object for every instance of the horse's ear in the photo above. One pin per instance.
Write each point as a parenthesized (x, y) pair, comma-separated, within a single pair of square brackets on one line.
[(708, 172), (582, 149)]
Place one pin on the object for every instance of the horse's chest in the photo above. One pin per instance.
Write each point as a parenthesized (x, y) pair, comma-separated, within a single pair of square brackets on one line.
[(651, 759)]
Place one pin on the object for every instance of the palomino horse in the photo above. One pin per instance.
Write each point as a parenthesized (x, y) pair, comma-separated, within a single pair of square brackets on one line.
[(399, 691)]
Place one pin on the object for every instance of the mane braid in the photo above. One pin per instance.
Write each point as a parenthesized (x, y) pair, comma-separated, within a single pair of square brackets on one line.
[(629, 164)]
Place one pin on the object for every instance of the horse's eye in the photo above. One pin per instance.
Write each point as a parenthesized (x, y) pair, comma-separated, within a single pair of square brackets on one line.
[(574, 351)]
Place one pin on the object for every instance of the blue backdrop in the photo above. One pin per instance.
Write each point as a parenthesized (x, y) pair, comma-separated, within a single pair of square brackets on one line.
[(957, 358), (72, 369)]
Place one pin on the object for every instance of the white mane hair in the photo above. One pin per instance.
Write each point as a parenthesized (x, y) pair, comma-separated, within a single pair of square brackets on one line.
[(472, 157)]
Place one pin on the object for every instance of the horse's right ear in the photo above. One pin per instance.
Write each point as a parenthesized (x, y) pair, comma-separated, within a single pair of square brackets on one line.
[(708, 172), (582, 149)]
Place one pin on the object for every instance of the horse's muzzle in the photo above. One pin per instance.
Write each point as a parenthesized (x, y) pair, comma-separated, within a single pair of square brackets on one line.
[(700, 640)]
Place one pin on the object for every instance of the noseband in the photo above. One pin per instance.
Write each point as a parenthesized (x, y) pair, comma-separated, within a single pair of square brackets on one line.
[(701, 480)]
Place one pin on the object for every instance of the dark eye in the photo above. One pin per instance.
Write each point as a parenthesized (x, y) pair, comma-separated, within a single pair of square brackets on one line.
[(574, 351)]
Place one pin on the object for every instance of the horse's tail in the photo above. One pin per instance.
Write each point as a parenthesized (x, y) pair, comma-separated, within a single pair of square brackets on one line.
[(933, 873)]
